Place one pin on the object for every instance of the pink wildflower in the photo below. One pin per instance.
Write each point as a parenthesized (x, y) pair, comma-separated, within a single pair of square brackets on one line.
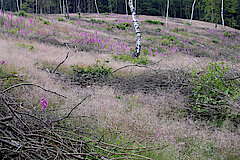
[(44, 102)]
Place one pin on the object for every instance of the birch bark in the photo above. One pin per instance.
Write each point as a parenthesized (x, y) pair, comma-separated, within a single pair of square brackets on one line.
[(17, 5), (137, 29), (1, 5), (20, 4), (192, 11), (60, 3), (36, 7), (97, 8), (126, 8), (64, 9), (67, 9), (222, 16), (167, 14)]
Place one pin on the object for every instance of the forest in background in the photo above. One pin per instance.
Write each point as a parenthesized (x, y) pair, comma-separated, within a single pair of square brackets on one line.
[(205, 10)]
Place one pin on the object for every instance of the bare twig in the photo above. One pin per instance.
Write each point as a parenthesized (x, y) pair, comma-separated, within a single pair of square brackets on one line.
[(31, 84), (61, 63), (72, 109)]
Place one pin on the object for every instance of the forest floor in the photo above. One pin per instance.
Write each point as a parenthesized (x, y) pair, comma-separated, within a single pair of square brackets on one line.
[(145, 100)]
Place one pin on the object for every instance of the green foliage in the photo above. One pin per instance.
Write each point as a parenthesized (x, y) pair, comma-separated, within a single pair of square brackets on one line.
[(158, 29), (98, 70), (46, 22), (60, 19), (123, 26), (177, 30), (40, 19), (187, 23), (212, 91), (154, 22), (215, 41), (99, 21), (109, 29), (23, 45), (105, 13), (72, 22), (140, 60), (22, 13)]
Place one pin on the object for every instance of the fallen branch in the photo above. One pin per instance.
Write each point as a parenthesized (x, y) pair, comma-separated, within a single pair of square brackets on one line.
[(31, 84), (61, 63), (72, 110)]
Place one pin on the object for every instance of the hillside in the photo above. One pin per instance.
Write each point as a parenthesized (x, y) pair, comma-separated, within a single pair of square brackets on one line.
[(181, 93)]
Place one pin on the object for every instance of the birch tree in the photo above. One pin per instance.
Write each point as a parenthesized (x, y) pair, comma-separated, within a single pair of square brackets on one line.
[(36, 7), (21, 5), (192, 11), (137, 29), (60, 3), (1, 5), (126, 8), (17, 5), (167, 14), (67, 9), (136, 6), (64, 9), (97, 8), (222, 16)]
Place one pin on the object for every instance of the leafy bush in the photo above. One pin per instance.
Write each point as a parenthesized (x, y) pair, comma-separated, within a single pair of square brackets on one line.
[(187, 23), (154, 22), (158, 29), (40, 19), (60, 19), (98, 70), (215, 41), (123, 26), (105, 13), (22, 13), (23, 45), (46, 22), (140, 60), (213, 91)]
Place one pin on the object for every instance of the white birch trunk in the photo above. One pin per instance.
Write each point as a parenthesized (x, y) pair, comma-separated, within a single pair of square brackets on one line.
[(167, 14), (126, 8), (192, 11), (17, 5), (1, 5), (67, 9), (137, 29), (222, 16), (60, 3), (21, 5), (64, 9), (36, 7), (97, 8)]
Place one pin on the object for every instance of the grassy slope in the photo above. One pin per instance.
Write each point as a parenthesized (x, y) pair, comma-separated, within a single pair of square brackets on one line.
[(141, 116)]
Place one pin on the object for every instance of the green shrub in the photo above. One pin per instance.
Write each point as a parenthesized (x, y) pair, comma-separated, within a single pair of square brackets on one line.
[(154, 22), (212, 92), (98, 70), (127, 24), (72, 22), (140, 60), (105, 13), (40, 19), (93, 20), (158, 29), (23, 45), (60, 19), (215, 41), (46, 22), (187, 23), (109, 29), (22, 13)]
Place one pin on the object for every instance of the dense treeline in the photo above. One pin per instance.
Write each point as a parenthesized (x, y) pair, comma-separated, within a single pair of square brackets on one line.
[(206, 10)]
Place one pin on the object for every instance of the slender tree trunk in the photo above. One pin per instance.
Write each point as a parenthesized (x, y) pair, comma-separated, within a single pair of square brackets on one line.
[(167, 14), (110, 6), (21, 5), (36, 7), (192, 11), (126, 8), (67, 9), (64, 9), (1, 5), (222, 16), (136, 6), (17, 5), (97, 8), (137, 29), (60, 3)]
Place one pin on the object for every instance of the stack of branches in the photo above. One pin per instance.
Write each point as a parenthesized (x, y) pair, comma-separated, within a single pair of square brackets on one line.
[(30, 134)]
